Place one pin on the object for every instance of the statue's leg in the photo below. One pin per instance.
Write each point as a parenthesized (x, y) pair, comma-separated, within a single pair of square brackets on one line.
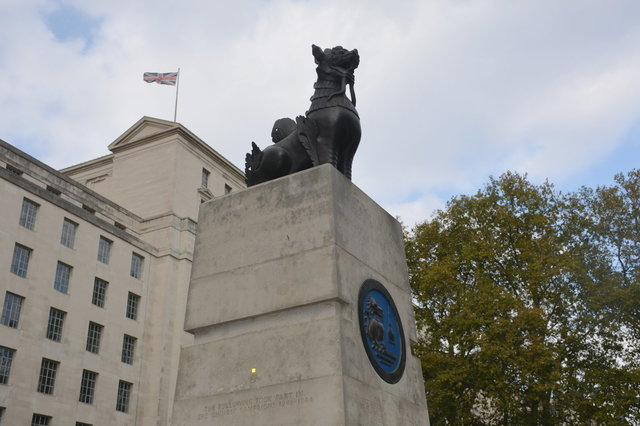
[(276, 163)]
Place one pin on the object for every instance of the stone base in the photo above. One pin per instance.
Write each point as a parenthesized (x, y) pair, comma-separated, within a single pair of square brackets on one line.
[(273, 307)]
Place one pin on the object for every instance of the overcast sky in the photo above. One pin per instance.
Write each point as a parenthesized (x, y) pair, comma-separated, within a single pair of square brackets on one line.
[(449, 92)]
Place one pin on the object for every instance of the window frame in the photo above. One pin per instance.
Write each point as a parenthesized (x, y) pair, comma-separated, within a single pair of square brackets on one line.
[(20, 262), (47, 376), (69, 231), (62, 278), (28, 214), (133, 303), (88, 386), (124, 396), (10, 314), (6, 359), (42, 419), (94, 336), (204, 178), (99, 295), (137, 262), (104, 250), (55, 324), (128, 349)]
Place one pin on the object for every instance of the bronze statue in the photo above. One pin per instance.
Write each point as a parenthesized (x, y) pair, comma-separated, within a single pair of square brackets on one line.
[(328, 133)]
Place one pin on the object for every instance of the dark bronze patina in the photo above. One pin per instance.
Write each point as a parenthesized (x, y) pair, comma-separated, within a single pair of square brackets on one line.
[(328, 133)]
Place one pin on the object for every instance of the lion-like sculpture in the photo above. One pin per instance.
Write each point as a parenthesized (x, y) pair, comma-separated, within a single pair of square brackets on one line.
[(328, 133)]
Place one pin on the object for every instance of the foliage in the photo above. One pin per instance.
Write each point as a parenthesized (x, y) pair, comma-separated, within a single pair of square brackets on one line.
[(528, 303)]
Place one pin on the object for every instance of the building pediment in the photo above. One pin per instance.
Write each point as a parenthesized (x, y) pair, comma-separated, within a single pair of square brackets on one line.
[(146, 129)]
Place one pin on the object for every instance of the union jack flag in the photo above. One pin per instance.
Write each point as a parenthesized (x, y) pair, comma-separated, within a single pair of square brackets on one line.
[(169, 78)]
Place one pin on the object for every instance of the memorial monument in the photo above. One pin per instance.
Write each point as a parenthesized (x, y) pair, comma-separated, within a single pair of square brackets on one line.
[(299, 298)]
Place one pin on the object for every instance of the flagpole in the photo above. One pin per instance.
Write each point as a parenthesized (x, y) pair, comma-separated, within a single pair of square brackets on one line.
[(175, 111)]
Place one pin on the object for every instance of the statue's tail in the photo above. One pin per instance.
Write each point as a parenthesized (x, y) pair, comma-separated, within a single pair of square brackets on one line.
[(252, 164), (307, 135)]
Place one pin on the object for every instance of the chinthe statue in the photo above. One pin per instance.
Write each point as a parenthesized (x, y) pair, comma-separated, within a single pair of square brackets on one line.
[(328, 133)]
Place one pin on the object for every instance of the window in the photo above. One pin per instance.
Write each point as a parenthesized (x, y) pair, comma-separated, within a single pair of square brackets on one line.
[(68, 236), (6, 356), (128, 348), (124, 391), (83, 424), (40, 420), (55, 324), (104, 250), (1, 413), (53, 190), (132, 306), (63, 273), (136, 265), (99, 292), (88, 386), (28, 214), (93, 337), (11, 310), (227, 189), (47, 379), (14, 170), (20, 261), (205, 178)]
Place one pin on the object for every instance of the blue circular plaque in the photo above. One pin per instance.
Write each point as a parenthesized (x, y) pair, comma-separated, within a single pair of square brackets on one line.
[(381, 331)]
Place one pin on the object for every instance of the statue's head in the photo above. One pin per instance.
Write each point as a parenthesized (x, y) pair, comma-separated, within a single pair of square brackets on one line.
[(335, 60), (282, 128)]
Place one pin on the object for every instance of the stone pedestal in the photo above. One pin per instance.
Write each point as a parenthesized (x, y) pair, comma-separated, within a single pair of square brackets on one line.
[(273, 305)]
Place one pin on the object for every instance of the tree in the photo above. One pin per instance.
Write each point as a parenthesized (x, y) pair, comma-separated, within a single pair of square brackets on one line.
[(513, 328)]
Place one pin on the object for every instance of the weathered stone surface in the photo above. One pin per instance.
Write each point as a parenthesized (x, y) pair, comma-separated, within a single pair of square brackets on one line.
[(275, 281)]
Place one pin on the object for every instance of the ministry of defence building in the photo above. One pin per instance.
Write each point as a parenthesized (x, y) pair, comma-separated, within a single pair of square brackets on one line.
[(95, 262)]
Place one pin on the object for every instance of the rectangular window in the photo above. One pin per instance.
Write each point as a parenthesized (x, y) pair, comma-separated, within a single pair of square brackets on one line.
[(1, 413), (132, 306), (28, 214), (20, 261), (47, 379), (227, 189), (205, 178), (14, 170), (128, 349), (88, 386), (53, 190), (11, 310), (99, 292), (124, 392), (55, 324), (104, 250), (68, 236), (93, 337), (136, 265), (40, 420), (6, 357), (63, 273)]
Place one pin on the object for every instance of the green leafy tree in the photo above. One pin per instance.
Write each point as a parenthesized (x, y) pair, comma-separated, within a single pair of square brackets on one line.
[(513, 325)]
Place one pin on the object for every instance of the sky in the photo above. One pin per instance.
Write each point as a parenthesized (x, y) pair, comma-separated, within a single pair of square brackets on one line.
[(449, 92)]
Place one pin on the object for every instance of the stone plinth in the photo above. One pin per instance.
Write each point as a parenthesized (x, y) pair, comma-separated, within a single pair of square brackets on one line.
[(273, 305)]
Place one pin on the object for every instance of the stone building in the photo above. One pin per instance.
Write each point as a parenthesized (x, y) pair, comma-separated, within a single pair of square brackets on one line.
[(95, 262)]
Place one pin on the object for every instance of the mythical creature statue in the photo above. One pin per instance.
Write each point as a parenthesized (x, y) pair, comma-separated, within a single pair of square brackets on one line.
[(328, 133)]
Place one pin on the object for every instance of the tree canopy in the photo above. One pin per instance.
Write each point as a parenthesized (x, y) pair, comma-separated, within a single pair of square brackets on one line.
[(528, 304)]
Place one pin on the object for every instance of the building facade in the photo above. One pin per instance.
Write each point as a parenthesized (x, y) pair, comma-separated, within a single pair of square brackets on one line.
[(95, 262)]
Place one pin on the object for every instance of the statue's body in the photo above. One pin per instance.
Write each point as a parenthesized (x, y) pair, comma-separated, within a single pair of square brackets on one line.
[(330, 132)]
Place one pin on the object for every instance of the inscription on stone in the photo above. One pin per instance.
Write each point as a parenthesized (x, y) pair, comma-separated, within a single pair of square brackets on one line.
[(259, 403)]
